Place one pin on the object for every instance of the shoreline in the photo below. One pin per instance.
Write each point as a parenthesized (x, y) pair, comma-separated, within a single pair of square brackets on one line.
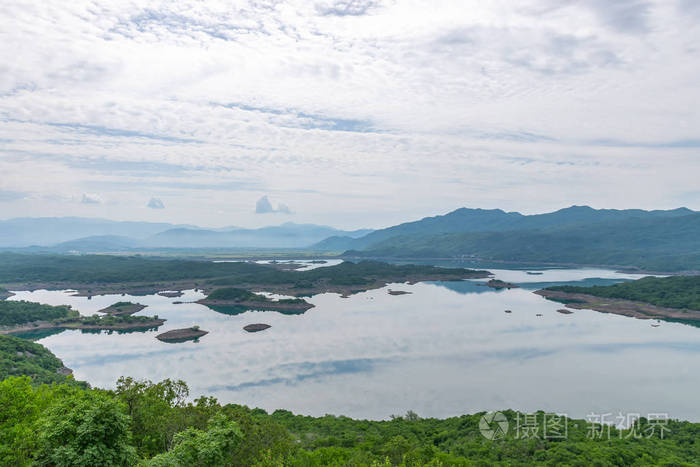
[(629, 269), (37, 326), (141, 288), (259, 305), (618, 306)]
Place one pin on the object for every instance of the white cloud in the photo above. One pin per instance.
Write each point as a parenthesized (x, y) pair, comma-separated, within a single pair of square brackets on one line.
[(264, 206), (90, 199), (155, 203), (363, 112)]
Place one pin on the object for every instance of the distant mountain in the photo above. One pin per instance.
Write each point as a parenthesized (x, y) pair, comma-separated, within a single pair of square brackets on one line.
[(651, 240), (46, 231), (96, 235), (492, 220), (288, 235), (461, 220), (98, 243)]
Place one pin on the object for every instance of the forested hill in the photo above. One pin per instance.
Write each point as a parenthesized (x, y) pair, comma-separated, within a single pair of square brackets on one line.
[(158, 424), (666, 241), (466, 220)]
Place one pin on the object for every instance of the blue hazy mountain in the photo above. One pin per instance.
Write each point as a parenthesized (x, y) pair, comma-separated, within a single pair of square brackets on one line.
[(93, 235), (47, 231), (287, 235)]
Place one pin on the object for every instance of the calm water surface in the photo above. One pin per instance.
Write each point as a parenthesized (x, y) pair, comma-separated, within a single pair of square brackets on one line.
[(447, 348)]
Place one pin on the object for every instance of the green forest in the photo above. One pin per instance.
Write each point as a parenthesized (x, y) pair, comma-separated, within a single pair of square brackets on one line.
[(669, 244), (104, 269), (50, 419), (20, 312), (232, 293), (671, 292)]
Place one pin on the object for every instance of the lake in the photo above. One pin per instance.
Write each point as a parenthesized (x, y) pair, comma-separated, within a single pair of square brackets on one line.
[(448, 348)]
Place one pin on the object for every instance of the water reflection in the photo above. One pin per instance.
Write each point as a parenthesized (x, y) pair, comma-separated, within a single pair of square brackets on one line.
[(234, 310), (447, 348)]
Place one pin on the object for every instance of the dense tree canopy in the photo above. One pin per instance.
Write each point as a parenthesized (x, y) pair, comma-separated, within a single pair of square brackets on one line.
[(21, 312), (155, 424)]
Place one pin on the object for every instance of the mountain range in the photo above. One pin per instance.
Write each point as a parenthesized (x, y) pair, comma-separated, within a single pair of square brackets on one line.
[(661, 240), (652, 240), (63, 234)]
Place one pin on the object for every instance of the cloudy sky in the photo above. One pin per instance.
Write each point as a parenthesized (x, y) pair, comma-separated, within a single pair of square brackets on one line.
[(352, 113)]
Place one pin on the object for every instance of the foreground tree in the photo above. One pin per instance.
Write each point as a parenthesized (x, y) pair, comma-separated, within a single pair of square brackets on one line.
[(85, 428)]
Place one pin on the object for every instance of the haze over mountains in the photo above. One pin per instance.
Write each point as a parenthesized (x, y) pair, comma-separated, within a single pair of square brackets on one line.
[(653, 240), (95, 235)]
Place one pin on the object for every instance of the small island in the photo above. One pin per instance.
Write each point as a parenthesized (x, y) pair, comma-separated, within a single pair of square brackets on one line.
[(399, 292), (256, 327), (122, 308), (564, 311), (182, 335), (231, 296), (499, 284), (171, 293)]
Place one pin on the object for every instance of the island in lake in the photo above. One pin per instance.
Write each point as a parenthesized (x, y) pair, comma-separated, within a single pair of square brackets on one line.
[(399, 292), (231, 296), (257, 327), (499, 284), (182, 335), (122, 309)]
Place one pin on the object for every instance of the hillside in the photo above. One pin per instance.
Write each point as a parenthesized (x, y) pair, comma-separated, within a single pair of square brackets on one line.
[(156, 424), (22, 357), (466, 220), (656, 242)]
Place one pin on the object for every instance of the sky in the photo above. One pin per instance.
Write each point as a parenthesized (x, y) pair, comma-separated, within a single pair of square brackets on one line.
[(350, 113)]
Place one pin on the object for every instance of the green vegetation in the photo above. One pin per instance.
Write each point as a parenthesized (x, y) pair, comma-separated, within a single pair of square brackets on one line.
[(157, 424), (671, 292), (22, 357), (659, 244), (112, 320), (153, 424), (22, 313), (13, 313), (234, 294), (346, 273), (102, 269)]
